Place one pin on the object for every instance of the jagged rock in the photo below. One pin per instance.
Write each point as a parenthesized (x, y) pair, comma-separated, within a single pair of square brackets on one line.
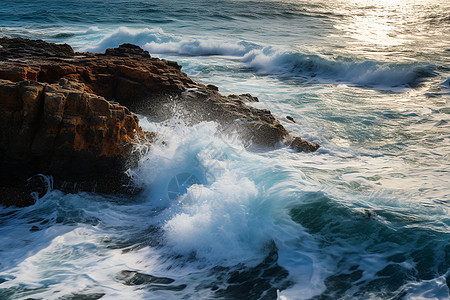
[(127, 50), (212, 87), (20, 47), (56, 116), (300, 144), (63, 131), (146, 85), (136, 278), (255, 125), (244, 97), (126, 74)]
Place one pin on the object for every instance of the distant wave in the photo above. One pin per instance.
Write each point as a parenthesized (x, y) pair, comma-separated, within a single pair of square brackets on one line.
[(157, 41), (198, 48), (48, 33), (128, 35), (273, 61), (92, 29)]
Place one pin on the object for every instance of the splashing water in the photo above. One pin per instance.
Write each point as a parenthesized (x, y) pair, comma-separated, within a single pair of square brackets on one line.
[(365, 217)]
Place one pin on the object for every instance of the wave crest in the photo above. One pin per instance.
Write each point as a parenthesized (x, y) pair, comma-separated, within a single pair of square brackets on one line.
[(274, 61), (197, 48), (129, 35)]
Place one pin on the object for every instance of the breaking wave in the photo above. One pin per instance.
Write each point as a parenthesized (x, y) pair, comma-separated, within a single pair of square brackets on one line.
[(361, 72), (273, 61)]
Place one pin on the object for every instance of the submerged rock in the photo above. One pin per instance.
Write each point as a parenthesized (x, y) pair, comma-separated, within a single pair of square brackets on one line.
[(136, 278), (152, 282), (78, 296), (291, 119), (300, 144)]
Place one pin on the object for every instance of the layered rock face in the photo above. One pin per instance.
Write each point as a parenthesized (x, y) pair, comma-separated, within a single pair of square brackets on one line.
[(126, 74), (146, 85), (60, 130), (57, 115)]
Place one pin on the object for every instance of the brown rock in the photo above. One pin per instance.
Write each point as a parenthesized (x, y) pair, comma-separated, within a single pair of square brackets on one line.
[(63, 123), (127, 50), (19, 48), (62, 131), (244, 97), (126, 74), (129, 75), (301, 145)]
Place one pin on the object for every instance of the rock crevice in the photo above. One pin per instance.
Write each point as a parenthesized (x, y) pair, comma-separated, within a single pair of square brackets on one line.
[(63, 131)]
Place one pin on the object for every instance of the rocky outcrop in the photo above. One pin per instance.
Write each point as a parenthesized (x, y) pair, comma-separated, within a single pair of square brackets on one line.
[(61, 130), (60, 113), (126, 74), (151, 86), (256, 126), (18, 48)]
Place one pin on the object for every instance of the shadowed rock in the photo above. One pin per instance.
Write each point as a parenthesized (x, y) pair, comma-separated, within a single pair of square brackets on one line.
[(75, 296), (127, 50), (60, 130), (60, 114), (136, 278), (20, 48), (147, 85)]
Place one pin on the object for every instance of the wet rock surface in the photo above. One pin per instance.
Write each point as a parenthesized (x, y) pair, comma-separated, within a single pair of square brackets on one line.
[(84, 141), (136, 278), (67, 114), (133, 278)]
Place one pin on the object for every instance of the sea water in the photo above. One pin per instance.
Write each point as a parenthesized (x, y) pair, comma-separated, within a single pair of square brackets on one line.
[(365, 217)]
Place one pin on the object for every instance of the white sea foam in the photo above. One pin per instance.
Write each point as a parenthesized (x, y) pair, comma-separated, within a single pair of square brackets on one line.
[(382, 152), (228, 219), (436, 289), (129, 35), (197, 48), (237, 209), (274, 61), (157, 41), (92, 29)]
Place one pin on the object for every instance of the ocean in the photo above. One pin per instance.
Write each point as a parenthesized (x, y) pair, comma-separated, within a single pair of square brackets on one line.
[(367, 216)]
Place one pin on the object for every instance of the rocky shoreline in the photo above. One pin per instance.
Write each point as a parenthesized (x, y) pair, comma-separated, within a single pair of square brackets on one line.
[(68, 115)]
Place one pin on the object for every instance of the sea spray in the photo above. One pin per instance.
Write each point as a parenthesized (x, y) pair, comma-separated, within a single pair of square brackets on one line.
[(234, 217)]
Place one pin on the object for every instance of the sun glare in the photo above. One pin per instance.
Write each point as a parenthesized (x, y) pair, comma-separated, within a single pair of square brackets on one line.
[(385, 25)]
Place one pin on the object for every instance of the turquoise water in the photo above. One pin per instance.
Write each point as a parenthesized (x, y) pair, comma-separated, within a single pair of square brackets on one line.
[(365, 217)]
